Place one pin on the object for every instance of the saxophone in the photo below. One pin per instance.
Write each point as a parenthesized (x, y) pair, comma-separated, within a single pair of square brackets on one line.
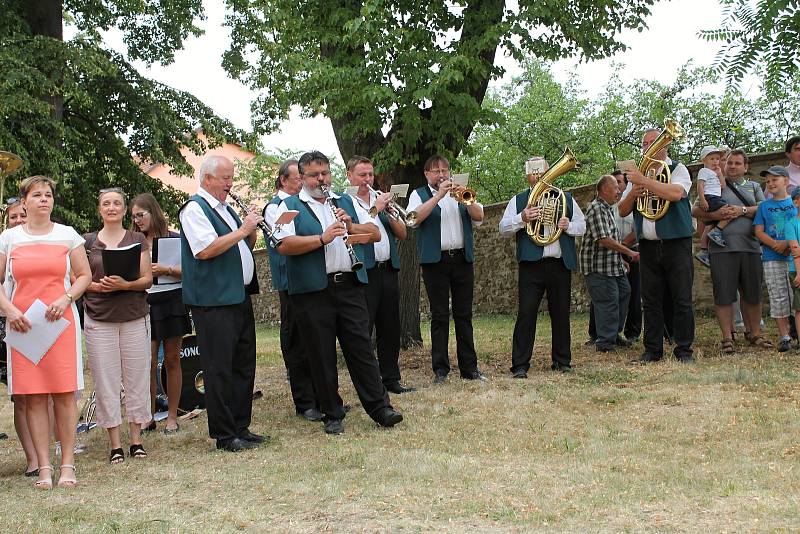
[(550, 200)]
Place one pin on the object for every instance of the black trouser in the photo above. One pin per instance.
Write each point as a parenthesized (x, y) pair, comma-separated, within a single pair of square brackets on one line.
[(226, 340), (667, 264), (383, 303), (452, 275), (340, 311), (535, 278), (294, 357), (633, 322)]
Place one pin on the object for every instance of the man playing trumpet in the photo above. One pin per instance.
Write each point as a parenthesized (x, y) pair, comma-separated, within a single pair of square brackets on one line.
[(445, 247), (665, 247), (382, 262), (542, 270)]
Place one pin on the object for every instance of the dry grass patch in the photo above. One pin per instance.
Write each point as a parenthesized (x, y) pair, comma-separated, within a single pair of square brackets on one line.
[(610, 447)]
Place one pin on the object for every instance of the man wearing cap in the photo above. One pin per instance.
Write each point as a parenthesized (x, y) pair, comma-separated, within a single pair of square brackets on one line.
[(736, 268)]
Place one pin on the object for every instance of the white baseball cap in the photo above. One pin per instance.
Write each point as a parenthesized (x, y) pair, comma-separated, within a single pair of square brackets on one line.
[(709, 150)]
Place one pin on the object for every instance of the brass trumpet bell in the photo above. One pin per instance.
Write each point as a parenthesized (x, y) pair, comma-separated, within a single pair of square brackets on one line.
[(466, 196), (199, 385)]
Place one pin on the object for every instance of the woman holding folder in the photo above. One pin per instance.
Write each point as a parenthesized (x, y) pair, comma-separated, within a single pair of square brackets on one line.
[(35, 261), (169, 319), (117, 326)]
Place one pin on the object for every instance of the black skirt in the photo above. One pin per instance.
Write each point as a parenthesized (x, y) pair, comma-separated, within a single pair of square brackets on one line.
[(169, 317)]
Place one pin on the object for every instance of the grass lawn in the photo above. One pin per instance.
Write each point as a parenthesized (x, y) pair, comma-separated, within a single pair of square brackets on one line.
[(611, 447)]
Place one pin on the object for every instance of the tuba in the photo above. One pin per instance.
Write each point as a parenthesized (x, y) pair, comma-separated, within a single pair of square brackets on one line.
[(9, 163), (550, 200), (649, 205)]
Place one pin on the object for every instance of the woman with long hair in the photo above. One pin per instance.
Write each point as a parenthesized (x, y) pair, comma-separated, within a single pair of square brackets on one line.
[(169, 319), (35, 261), (117, 329)]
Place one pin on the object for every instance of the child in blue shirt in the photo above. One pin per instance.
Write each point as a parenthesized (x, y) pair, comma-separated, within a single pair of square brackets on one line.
[(772, 218)]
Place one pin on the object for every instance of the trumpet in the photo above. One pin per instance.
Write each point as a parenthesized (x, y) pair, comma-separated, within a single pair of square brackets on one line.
[(263, 225), (394, 211), (466, 196), (355, 264)]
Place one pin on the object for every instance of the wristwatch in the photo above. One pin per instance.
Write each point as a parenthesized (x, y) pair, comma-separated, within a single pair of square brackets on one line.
[(69, 297), (744, 210)]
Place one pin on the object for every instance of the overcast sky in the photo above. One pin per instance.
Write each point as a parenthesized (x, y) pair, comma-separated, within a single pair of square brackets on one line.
[(669, 42)]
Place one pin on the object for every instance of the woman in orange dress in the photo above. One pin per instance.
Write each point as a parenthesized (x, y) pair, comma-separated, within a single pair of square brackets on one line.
[(35, 261)]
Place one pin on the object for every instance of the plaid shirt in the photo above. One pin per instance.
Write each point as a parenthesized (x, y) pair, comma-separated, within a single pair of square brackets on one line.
[(594, 257)]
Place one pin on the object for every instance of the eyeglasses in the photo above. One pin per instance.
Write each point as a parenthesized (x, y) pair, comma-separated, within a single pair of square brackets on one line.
[(139, 216), (324, 174)]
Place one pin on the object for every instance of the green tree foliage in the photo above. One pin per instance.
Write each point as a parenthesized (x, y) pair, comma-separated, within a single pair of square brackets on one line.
[(77, 111), (537, 116), (758, 35)]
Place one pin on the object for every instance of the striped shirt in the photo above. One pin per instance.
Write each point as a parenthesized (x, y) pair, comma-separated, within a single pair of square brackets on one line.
[(594, 257)]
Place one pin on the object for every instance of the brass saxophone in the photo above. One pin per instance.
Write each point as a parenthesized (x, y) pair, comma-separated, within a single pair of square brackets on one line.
[(649, 205), (550, 200)]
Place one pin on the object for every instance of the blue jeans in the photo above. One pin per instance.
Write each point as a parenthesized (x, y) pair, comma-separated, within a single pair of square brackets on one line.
[(610, 295)]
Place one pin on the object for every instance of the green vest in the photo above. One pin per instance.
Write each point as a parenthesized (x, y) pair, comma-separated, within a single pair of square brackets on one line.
[(527, 250), (429, 232), (676, 223), (369, 248), (306, 273), (277, 263), (216, 281)]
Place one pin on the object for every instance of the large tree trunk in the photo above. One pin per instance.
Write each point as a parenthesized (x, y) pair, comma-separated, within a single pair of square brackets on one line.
[(44, 19)]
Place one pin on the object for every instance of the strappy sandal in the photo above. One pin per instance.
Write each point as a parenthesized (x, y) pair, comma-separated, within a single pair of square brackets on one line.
[(137, 451), (117, 456), (727, 346), (64, 481), (45, 483), (760, 341)]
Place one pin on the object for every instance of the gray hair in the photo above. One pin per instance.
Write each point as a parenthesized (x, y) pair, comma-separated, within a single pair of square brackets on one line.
[(210, 166)]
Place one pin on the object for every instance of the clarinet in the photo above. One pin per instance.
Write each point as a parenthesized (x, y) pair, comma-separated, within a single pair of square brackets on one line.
[(355, 265), (268, 232)]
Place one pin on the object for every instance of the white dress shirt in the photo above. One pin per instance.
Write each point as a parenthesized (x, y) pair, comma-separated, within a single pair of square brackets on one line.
[(679, 176), (451, 228), (512, 222), (200, 232), (271, 210), (336, 257), (382, 249)]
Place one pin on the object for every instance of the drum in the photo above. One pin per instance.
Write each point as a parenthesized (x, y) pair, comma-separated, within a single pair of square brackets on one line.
[(192, 390)]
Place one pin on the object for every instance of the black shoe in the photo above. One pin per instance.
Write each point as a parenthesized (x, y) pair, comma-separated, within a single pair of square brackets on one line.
[(604, 348), (686, 358), (784, 345), (561, 367), (440, 378), (253, 438), (388, 417), (149, 428), (519, 373), (334, 427), (474, 375), (648, 357), (589, 342), (235, 445), (398, 388), (312, 414), (622, 342)]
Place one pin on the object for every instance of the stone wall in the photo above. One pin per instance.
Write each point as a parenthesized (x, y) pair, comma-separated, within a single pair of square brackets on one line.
[(496, 266)]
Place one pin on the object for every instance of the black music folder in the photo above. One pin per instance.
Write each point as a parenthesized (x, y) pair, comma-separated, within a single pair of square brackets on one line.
[(123, 261)]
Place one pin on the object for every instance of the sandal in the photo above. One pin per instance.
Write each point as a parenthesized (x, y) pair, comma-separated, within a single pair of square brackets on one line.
[(45, 483), (32, 473), (727, 346), (170, 431), (760, 341), (117, 456), (137, 451), (151, 427), (65, 481)]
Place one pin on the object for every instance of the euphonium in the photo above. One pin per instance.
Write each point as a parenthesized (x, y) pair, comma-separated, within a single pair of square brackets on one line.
[(649, 205), (550, 200)]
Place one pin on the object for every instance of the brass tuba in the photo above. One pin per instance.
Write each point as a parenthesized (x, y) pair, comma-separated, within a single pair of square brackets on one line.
[(9, 163), (550, 200), (653, 207)]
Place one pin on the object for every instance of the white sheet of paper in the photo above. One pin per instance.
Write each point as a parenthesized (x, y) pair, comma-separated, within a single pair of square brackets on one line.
[(627, 165), (287, 217), (34, 343), (352, 190), (461, 179), (399, 190), (169, 254)]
